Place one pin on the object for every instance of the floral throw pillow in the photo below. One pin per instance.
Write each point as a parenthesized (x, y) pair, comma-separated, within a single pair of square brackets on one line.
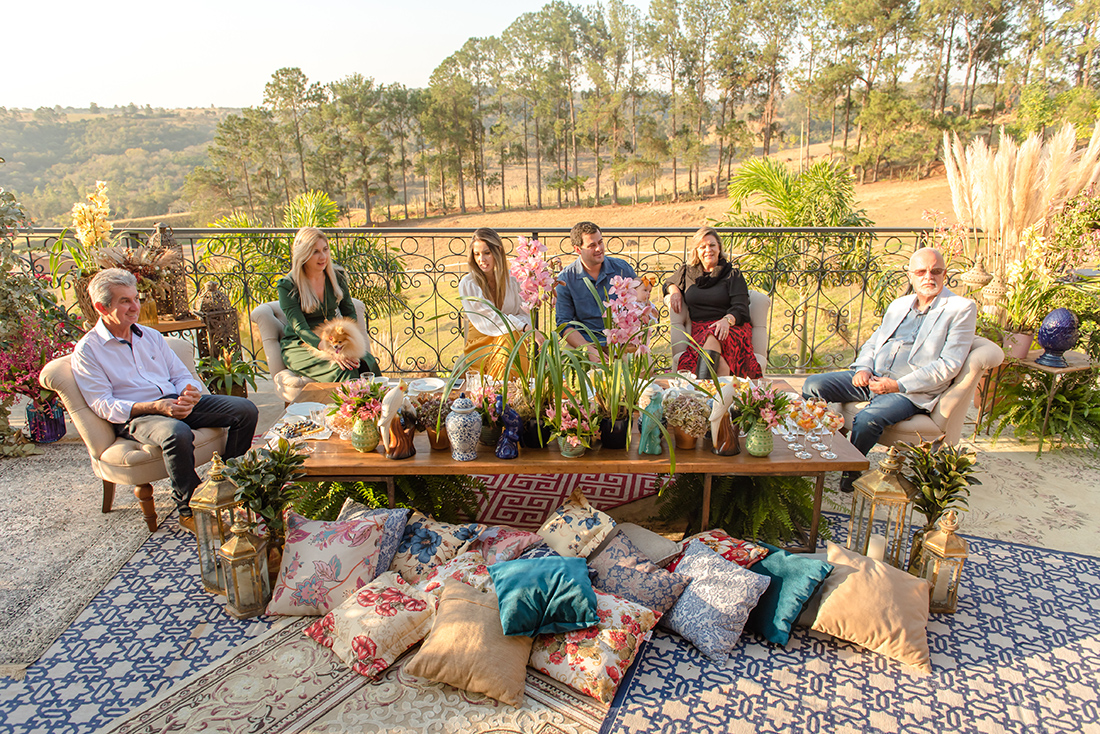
[(712, 611), (395, 526), (428, 543), (576, 528), (593, 660), (502, 543), (741, 552), (324, 563), (469, 568), (376, 624)]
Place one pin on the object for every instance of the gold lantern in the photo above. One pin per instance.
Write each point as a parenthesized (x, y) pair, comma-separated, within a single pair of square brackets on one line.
[(941, 560), (244, 558), (213, 504), (881, 505)]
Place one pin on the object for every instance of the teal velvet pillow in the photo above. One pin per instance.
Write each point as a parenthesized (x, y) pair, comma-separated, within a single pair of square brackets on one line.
[(795, 579), (544, 595)]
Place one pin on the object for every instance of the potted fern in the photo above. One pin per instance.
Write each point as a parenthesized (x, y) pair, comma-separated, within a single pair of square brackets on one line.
[(943, 476)]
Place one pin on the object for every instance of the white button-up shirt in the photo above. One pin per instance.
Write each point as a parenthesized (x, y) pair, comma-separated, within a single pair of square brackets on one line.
[(113, 375)]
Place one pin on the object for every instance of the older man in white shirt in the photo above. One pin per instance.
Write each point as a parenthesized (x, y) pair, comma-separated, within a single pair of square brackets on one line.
[(130, 377)]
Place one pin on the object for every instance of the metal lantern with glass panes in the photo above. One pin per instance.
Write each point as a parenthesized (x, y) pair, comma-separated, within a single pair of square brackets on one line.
[(881, 505), (213, 503), (244, 558), (941, 561)]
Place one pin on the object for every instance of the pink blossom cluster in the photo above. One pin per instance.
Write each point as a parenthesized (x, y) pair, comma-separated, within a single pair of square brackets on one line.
[(29, 349), (630, 316), (760, 402), (360, 398), (535, 274), (574, 424), (485, 400)]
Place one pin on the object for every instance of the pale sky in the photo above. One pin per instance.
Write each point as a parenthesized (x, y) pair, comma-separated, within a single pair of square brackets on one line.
[(208, 52)]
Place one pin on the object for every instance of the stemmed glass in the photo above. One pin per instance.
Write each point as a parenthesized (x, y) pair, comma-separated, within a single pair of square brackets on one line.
[(818, 435), (826, 446)]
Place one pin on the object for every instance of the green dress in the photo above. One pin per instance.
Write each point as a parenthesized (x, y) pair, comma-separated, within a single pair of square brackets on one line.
[(299, 332)]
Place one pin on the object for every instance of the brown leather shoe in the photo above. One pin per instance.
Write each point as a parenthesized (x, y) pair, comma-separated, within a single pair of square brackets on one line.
[(188, 524)]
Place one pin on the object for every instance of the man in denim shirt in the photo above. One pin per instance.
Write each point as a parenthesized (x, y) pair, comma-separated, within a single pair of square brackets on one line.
[(575, 302)]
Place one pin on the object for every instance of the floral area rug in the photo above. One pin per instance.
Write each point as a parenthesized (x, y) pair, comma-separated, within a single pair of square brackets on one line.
[(1021, 654), (286, 682), (57, 549)]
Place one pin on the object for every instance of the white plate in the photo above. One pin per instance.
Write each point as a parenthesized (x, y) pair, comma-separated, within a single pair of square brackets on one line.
[(303, 408), (427, 384)]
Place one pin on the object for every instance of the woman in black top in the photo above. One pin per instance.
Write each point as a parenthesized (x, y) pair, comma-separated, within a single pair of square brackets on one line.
[(717, 299)]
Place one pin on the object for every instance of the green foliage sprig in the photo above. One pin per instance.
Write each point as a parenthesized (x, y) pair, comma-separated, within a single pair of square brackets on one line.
[(943, 476), (266, 480), (1074, 411), (222, 374)]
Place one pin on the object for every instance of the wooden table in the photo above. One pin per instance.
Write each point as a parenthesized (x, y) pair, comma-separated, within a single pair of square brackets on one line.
[(336, 460)]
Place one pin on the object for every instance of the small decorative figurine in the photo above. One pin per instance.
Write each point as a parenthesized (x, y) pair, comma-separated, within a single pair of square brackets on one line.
[(652, 417), (722, 434), (508, 445), (464, 429), (391, 406), (401, 433)]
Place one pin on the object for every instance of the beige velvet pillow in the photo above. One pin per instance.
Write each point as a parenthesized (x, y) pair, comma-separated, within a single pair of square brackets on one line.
[(467, 647), (875, 606)]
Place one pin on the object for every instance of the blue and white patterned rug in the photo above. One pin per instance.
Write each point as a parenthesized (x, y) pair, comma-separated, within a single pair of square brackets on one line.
[(1021, 654)]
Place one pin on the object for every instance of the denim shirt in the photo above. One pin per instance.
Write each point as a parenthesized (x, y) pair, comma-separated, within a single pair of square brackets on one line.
[(575, 301)]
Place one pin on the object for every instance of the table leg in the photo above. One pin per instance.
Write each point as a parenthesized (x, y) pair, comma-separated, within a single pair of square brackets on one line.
[(704, 520), (819, 489), (391, 492), (981, 405), (996, 385), (1054, 380)]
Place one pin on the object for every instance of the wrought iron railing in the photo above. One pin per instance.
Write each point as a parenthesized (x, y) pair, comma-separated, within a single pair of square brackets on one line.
[(827, 286)]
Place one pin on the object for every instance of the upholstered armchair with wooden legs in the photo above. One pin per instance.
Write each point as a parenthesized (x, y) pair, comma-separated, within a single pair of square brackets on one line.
[(945, 422), (759, 307), (270, 321), (119, 460)]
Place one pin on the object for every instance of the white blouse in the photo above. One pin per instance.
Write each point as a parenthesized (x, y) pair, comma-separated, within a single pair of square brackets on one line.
[(482, 316)]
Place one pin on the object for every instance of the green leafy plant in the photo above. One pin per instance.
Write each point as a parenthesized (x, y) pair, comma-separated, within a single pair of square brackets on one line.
[(266, 480), (771, 509), (1074, 410), (943, 476), (450, 498), (230, 370)]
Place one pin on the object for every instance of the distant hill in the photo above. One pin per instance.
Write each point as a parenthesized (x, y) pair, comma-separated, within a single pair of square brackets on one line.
[(55, 156)]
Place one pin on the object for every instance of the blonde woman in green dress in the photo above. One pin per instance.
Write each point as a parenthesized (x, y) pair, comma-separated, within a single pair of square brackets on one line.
[(314, 291)]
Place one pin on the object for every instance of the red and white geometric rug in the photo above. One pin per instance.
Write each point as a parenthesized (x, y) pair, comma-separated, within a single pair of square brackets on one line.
[(525, 500)]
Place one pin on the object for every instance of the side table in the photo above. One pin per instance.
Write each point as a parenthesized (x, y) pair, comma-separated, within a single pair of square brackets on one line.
[(1078, 362)]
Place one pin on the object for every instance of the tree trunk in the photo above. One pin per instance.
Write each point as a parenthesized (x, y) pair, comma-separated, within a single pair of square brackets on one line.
[(538, 163)]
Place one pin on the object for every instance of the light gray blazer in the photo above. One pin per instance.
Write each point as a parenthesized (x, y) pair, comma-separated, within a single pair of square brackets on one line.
[(939, 349)]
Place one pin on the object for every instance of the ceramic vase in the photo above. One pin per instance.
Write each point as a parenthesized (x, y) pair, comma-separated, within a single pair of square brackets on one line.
[(569, 451), (365, 435), (759, 441), (536, 434), (490, 435), (438, 439), (683, 440), (1017, 345), (613, 433), (46, 425), (1057, 334), (463, 429)]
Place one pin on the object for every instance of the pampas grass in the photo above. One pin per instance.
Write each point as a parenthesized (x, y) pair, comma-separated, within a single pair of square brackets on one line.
[(1006, 191)]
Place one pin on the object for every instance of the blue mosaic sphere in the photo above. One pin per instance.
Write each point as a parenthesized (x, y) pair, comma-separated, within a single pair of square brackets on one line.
[(1058, 332)]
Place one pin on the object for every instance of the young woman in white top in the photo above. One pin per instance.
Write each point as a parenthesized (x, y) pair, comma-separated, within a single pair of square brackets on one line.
[(492, 330)]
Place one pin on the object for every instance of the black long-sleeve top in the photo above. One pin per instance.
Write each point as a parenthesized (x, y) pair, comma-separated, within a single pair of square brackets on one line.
[(712, 295)]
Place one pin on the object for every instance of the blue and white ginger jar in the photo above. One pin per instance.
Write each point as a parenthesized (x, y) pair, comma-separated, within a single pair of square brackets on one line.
[(464, 429)]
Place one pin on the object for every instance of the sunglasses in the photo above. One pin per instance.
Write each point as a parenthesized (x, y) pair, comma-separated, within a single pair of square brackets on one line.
[(937, 272)]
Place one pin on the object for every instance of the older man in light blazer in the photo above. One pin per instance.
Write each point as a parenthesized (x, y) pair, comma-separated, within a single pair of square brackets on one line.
[(910, 359)]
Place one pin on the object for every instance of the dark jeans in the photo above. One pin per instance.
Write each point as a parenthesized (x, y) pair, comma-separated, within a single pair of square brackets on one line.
[(869, 423), (176, 438)]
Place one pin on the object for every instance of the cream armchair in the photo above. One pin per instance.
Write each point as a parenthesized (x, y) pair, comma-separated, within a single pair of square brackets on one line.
[(270, 321), (945, 422), (759, 307), (118, 460)]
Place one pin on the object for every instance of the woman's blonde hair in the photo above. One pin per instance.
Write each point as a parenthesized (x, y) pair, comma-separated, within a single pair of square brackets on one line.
[(700, 235), (499, 287), (300, 251)]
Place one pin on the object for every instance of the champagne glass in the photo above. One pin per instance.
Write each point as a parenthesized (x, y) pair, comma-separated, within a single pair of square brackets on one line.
[(827, 436), (818, 436)]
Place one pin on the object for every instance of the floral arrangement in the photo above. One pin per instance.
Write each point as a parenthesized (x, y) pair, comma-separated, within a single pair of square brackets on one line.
[(576, 423), (360, 398), (431, 410), (33, 344), (152, 269), (688, 411), (90, 219), (536, 275), (628, 316), (486, 399), (759, 403)]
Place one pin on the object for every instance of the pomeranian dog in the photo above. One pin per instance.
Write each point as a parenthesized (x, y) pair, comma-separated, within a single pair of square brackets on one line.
[(340, 337)]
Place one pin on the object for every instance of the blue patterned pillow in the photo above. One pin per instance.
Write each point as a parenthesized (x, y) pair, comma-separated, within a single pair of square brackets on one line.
[(619, 548), (392, 531), (427, 543), (544, 595), (794, 579), (712, 611), (539, 551), (621, 569)]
